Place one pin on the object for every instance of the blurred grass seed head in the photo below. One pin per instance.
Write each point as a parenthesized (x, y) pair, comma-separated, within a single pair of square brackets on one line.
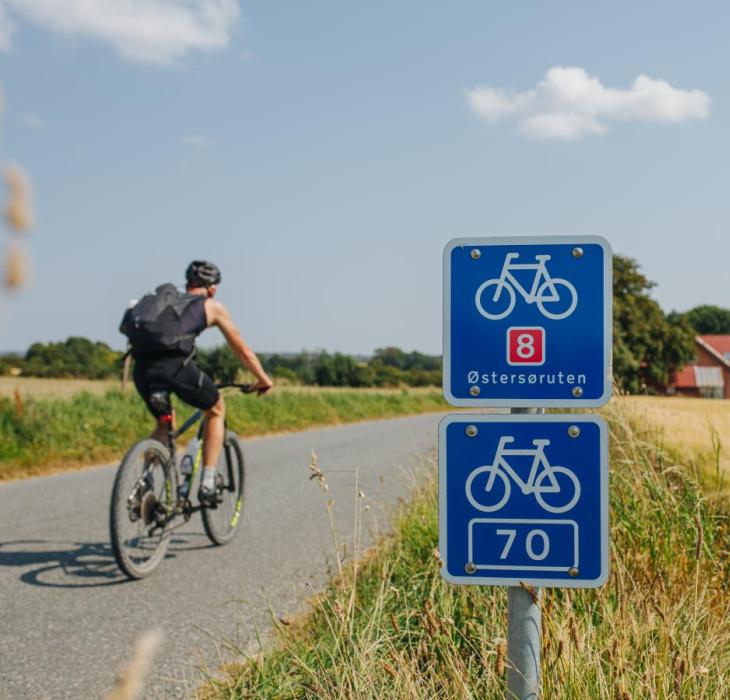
[(18, 213), (19, 218)]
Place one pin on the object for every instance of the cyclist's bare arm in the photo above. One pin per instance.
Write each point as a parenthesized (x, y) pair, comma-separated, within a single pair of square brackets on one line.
[(217, 315)]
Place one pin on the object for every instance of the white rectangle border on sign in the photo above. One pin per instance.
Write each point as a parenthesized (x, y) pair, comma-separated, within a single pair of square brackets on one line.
[(476, 419), (466, 402)]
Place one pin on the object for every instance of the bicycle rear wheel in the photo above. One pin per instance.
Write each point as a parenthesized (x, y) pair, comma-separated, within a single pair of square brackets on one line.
[(221, 523), (141, 500)]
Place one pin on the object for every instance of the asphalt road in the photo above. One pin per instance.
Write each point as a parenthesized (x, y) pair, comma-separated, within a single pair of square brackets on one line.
[(68, 619)]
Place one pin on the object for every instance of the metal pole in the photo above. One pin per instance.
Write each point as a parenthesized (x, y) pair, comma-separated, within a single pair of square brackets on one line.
[(524, 627)]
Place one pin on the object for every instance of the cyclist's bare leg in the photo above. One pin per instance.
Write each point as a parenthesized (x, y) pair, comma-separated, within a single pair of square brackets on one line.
[(213, 435)]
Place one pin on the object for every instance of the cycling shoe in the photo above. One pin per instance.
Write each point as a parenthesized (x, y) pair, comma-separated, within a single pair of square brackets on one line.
[(208, 497)]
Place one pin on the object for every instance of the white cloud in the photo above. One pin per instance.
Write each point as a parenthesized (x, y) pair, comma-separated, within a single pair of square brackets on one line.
[(196, 141), (568, 103), (7, 29), (34, 121), (153, 31)]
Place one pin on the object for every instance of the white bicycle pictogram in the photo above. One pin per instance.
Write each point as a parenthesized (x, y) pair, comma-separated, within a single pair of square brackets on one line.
[(545, 290), (490, 496)]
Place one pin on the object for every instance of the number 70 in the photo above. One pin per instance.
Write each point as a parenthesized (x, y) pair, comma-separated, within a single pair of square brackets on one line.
[(529, 540)]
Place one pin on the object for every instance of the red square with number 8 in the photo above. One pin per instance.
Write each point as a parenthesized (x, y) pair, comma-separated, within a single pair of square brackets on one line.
[(526, 346)]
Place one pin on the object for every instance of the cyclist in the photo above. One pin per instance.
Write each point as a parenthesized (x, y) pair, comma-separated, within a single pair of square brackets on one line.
[(162, 328)]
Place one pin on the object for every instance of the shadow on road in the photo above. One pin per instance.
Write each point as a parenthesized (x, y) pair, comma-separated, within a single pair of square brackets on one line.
[(58, 564)]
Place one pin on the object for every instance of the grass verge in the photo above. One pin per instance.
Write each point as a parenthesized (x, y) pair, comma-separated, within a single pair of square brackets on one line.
[(38, 436), (391, 628)]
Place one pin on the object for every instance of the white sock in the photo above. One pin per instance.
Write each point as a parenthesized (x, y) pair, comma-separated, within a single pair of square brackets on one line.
[(209, 477)]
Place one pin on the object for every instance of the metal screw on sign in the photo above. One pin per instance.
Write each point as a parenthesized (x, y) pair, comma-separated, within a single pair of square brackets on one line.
[(470, 568), (574, 431), (474, 391), (471, 430), (476, 254), (577, 392), (577, 252), (573, 571)]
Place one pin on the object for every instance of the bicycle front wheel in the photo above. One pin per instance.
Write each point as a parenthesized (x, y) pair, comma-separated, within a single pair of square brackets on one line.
[(492, 497), (221, 522), (142, 498), (494, 305)]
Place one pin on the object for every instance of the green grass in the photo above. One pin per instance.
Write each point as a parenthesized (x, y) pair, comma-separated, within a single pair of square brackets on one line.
[(391, 628), (39, 435)]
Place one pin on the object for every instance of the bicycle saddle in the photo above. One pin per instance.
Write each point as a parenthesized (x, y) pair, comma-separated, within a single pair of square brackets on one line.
[(160, 401)]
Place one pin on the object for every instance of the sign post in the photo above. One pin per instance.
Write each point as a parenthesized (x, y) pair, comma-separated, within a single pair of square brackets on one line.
[(524, 633), (524, 625), (523, 498)]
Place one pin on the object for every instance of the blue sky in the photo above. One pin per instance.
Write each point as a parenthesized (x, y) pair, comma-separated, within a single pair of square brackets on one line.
[(323, 153)]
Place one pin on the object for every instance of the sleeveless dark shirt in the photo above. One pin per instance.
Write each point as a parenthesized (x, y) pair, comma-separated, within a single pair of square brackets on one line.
[(193, 319)]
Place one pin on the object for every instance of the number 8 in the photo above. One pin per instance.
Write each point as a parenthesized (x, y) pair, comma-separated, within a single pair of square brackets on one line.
[(525, 346)]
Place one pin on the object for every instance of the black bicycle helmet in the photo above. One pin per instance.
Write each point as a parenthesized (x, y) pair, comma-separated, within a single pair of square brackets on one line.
[(201, 273)]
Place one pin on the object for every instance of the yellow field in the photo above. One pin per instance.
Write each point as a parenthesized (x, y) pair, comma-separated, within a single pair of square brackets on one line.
[(33, 387), (688, 424)]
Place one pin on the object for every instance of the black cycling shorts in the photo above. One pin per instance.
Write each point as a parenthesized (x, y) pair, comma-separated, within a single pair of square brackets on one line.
[(188, 381)]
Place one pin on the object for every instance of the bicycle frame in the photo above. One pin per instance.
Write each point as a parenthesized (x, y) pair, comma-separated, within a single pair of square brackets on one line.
[(179, 506), (539, 458), (541, 273)]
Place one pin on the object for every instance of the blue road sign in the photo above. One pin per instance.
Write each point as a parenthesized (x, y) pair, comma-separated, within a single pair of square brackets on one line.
[(527, 321), (524, 498)]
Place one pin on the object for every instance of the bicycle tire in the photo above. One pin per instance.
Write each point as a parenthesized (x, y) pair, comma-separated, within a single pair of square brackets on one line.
[(510, 294), (138, 556), (221, 523), (475, 501), (573, 499), (556, 282)]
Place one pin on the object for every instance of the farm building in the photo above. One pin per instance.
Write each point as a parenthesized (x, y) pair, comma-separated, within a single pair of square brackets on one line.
[(709, 374)]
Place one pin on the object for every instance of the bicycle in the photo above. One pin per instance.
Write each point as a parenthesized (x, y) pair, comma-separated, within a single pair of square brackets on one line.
[(150, 492), (540, 293), (534, 484)]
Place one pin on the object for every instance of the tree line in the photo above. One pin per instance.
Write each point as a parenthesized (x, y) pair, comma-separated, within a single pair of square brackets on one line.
[(388, 367), (649, 345), (79, 358)]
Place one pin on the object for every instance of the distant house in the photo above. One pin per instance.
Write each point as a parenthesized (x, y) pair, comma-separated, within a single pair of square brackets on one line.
[(709, 374)]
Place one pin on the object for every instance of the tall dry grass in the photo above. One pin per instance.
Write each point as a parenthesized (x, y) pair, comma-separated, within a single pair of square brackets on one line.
[(389, 627)]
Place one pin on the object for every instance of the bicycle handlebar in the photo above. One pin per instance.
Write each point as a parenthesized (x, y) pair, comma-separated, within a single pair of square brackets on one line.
[(244, 388)]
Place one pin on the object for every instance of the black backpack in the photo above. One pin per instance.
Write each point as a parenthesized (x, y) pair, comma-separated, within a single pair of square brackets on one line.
[(153, 323)]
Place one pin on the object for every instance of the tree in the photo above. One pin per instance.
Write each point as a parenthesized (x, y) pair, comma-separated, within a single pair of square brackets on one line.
[(387, 375), (708, 319), (300, 365), (395, 357), (648, 346), (220, 363), (10, 362), (337, 370), (325, 373), (75, 357)]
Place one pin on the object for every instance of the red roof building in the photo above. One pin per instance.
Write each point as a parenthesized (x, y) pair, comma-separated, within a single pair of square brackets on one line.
[(709, 374)]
